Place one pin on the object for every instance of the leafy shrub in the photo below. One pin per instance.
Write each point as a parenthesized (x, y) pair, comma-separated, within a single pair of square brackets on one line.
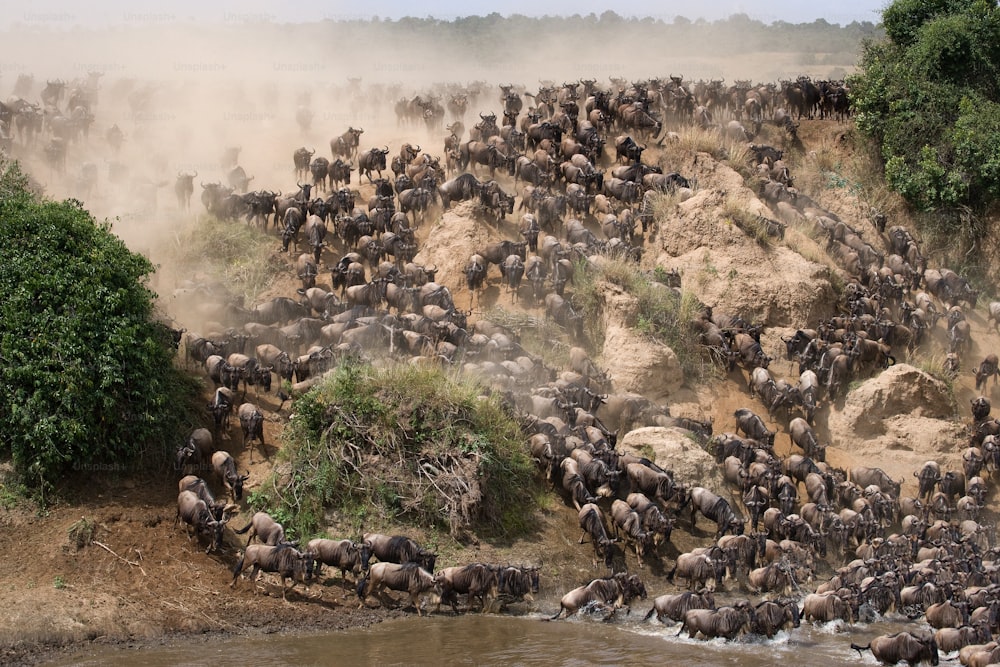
[(380, 445), (86, 379)]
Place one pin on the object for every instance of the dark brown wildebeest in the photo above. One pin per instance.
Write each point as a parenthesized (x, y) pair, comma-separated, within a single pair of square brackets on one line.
[(826, 607), (225, 467), (628, 521), (408, 577), (342, 554), (608, 594), (517, 583), (199, 487), (770, 617), (197, 449), (220, 408), (726, 622), (475, 580), (591, 520), (753, 426), (802, 434), (252, 425), (773, 577), (717, 509), (675, 606), (892, 649), (395, 549), (265, 529), (283, 559), (653, 519), (700, 568), (988, 367), (980, 409), (199, 516), (952, 639)]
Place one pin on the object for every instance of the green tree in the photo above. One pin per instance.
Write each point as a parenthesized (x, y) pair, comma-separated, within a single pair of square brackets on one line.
[(927, 95), (86, 374)]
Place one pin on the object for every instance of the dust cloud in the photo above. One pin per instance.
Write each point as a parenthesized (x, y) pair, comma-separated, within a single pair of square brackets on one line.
[(183, 94)]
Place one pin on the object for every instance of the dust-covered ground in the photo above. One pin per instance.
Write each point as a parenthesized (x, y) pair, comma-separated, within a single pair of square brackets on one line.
[(182, 96)]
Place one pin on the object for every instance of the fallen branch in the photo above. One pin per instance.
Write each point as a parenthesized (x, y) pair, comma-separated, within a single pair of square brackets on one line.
[(124, 560)]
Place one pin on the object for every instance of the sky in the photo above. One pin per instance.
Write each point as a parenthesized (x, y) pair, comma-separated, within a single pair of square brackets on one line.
[(71, 14)]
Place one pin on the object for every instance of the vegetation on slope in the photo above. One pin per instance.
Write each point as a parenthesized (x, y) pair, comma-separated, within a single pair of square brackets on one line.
[(86, 380), (375, 446), (929, 96)]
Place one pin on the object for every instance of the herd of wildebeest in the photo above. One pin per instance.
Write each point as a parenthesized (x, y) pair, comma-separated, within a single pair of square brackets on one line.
[(787, 520)]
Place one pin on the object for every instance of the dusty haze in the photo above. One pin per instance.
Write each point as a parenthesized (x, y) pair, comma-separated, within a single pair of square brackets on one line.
[(182, 94)]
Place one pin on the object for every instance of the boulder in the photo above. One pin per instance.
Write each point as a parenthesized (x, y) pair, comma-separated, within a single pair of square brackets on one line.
[(675, 450), (896, 421)]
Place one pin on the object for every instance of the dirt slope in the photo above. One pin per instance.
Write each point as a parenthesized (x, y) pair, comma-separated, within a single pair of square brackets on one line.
[(147, 580)]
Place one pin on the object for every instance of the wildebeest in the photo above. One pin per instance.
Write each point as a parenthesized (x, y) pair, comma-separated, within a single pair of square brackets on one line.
[(700, 567), (252, 425), (475, 580), (408, 577), (753, 426), (892, 649), (675, 606), (864, 476), (727, 622), (225, 467), (989, 367), (771, 616), (344, 555), (629, 522), (197, 449), (265, 529), (196, 514), (606, 594), (517, 583), (826, 607), (801, 433), (717, 509), (372, 160), (283, 559), (395, 549), (199, 487), (591, 520)]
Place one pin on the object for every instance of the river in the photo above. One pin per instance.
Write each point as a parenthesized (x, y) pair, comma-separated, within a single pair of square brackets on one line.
[(504, 640)]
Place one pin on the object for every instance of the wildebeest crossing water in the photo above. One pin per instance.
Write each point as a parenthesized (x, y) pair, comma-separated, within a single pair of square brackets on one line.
[(475, 639)]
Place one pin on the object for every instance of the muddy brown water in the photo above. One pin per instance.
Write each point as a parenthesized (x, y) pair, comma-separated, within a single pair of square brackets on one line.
[(509, 640)]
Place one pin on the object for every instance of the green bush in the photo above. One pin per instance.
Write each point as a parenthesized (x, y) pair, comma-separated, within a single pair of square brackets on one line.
[(928, 97), (86, 379), (373, 446)]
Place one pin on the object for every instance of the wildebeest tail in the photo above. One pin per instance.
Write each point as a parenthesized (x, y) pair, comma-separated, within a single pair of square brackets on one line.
[(859, 649), (649, 614), (361, 587), (240, 531)]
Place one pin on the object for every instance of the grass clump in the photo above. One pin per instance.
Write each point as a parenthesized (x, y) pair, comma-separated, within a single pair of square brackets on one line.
[(374, 446), (234, 254), (662, 313), (749, 223)]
